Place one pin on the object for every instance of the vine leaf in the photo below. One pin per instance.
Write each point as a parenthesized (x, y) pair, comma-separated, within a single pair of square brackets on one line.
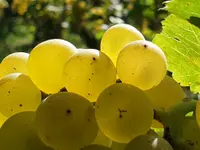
[(184, 8), (180, 41)]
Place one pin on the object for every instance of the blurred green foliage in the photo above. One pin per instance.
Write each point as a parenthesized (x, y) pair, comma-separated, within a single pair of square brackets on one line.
[(25, 23)]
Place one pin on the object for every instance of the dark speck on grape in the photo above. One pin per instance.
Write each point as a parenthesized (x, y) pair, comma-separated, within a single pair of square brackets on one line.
[(68, 111), (94, 58)]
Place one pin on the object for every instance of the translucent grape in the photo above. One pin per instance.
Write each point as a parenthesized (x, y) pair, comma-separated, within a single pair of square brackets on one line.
[(88, 73), (95, 147), (116, 37), (66, 121), (15, 62), (18, 93), (2, 119), (46, 63), (141, 63), (101, 139), (191, 132), (123, 112), (148, 142), (165, 95), (156, 124), (197, 112), (18, 133), (118, 146)]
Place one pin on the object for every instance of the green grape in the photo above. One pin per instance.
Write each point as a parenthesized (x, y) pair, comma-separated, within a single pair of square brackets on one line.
[(66, 121), (95, 147), (118, 146), (2, 119), (101, 139), (18, 93), (197, 112), (142, 64), (156, 124), (165, 95), (18, 133), (123, 112), (148, 142), (191, 132), (15, 62), (88, 73), (46, 62), (116, 37)]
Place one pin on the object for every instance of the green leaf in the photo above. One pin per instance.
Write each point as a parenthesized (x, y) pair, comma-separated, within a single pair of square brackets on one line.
[(184, 8), (180, 41)]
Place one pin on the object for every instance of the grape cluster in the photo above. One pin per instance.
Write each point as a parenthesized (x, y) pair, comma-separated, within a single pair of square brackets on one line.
[(95, 99)]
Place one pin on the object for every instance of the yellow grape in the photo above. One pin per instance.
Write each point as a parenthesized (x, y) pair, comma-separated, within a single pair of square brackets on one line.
[(88, 73), (101, 139), (118, 146), (156, 124), (2, 119), (18, 93), (15, 62), (95, 147), (148, 142), (142, 64), (18, 133), (46, 63), (197, 112), (123, 111), (116, 37), (165, 95), (191, 132), (66, 121)]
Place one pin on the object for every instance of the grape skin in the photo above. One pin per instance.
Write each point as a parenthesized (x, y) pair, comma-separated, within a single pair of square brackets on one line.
[(101, 139), (191, 132), (46, 62), (197, 112), (142, 64), (165, 95), (116, 37), (13, 63), (123, 112), (88, 73), (95, 147), (148, 142), (18, 93), (66, 121), (18, 133)]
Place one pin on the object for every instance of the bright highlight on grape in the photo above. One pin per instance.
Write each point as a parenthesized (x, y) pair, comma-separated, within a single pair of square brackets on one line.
[(46, 63), (142, 64), (14, 63), (116, 37)]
